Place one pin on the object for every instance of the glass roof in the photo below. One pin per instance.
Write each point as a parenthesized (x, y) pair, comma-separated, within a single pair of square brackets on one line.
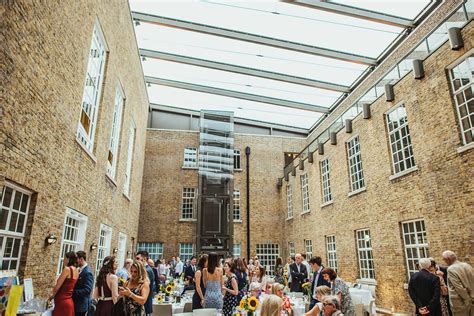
[(256, 65)]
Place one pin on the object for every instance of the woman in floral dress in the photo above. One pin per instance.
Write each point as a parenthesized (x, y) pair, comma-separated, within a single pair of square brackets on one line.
[(341, 290)]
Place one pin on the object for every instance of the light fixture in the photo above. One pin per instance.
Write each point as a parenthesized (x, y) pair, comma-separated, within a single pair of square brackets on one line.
[(129, 252), (115, 250), (93, 246), (50, 239)]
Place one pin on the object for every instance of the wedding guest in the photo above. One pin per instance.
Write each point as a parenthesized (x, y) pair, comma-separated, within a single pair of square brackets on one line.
[(136, 291), (242, 277), (277, 289), (298, 274), (255, 289), (271, 306), (331, 306), (213, 280), (251, 268), (124, 272), (279, 271), (340, 290), (460, 284), (267, 285), (443, 289), (143, 257), (230, 289), (198, 296), (178, 269), (321, 292), (62, 291), (106, 287), (83, 289), (317, 276), (259, 275), (306, 264), (424, 290), (189, 273)]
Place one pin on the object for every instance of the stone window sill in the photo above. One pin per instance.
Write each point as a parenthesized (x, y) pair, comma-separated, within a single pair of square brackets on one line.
[(238, 221), (126, 196), (91, 155), (190, 168), (465, 148), (307, 212), (327, 203), (184, 220), (112, 181), (238, 170), (356, 192), (403, 173), (289, 218)]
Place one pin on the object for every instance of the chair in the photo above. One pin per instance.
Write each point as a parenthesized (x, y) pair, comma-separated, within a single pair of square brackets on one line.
[(188, 307), (162, 310), (183, 314), (205, 312)]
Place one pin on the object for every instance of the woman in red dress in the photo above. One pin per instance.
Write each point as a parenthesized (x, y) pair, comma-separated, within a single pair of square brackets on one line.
[(62, 292)]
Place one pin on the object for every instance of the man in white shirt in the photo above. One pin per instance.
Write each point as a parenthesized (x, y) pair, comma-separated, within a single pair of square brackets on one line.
[(179, 267), (306, 264)]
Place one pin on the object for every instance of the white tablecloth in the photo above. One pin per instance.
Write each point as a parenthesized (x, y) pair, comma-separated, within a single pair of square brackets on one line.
[(365, 297)]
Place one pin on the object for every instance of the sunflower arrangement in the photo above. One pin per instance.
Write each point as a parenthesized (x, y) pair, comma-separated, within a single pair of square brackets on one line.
[(307, 288), (159, 298), (169, 288), (249, 304)]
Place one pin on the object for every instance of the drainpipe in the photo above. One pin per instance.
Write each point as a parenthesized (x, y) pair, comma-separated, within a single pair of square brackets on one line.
[(247, 155)]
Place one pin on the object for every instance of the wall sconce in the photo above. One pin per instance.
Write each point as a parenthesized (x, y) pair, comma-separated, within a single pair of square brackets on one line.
[(50, 239), (93, 246), (115, 250)]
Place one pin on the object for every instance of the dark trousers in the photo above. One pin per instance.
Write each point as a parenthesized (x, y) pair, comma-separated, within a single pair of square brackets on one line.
[(313, 302), (80, 313)]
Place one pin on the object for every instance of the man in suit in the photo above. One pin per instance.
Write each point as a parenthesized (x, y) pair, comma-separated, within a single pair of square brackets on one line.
[(142, 256), (318, 280), (189, 272), (298, 274), (424, 290), (83, 288), (460, 285)]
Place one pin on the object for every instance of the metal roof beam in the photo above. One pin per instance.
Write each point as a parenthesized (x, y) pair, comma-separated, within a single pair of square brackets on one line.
[(243, 70), (258, 39), (355, 12), (236, 94)]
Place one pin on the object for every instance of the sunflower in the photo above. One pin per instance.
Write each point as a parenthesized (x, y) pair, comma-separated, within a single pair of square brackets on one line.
[(242, 304), (159, 299), (161, 288), (169, 289), (253, 303)]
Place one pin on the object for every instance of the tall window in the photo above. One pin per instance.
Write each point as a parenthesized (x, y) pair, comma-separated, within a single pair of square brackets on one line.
[(115, 136), (308, 248), (103, 248), (236, 250), (155, 249), (289, 200), (122, 245), (13, 215), (291, 249), (128, 170), (356, 173), (190, 157), (326, 184), (331, 251), (92, 89), (188, 202), (400, 141), (416, 244), (237, 159), (462, 83), (267, 254), (185, 251), (74, 235), (305, 192), (236, 202), (364, 249)]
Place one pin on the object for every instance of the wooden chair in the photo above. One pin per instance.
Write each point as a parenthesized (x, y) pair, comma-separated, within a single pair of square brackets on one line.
[(162, 310)]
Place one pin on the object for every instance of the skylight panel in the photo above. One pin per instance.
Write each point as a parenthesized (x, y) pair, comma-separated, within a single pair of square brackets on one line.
[(403, 8)]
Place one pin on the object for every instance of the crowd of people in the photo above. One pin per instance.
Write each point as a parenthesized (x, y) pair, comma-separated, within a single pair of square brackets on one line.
[(224, 283)]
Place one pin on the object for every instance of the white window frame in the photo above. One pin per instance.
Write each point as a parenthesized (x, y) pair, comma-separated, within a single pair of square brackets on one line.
[(462, 109), (92, 96), (130, 151), (291, 248), (186, 251), (78, 237), (236, 250), (237, 216), (14, 236), (365, 254), (305, 193), (418, 249), (188, 199), (325, 181), (400, 140), (155, 249), (289, 201), (190, 160), (116, 129), (237, 161), (308, 248), (121, 249), (354, 159), (331, 251), (267, 254), (103, 246)]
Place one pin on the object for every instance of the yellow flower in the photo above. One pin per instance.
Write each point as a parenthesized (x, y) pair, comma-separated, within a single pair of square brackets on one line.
[(253, 303), (169, 288), (159, 298), (122, 280), (307, 284), (242, 304)]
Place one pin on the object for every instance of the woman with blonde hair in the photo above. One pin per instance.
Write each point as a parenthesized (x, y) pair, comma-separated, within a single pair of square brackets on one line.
[(321, 292), (271, 306), (277, 289), (135, 291)]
